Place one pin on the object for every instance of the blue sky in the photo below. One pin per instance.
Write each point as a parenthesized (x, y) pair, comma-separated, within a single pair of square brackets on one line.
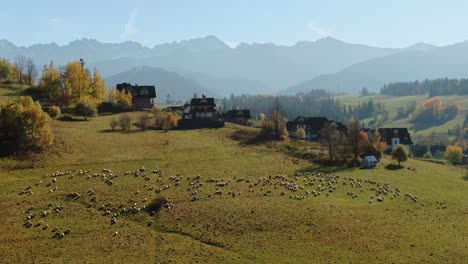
[(395, 23)]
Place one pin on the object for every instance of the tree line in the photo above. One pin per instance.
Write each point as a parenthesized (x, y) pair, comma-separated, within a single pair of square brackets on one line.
[(436, 87)]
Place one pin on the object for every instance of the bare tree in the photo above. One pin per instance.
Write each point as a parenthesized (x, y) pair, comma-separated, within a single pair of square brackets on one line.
[(332, 139), (20, 66), (354, 139), (31, 71), (278, 118)]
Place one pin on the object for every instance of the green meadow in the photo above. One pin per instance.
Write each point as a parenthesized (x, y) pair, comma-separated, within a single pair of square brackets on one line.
[(233, 203)]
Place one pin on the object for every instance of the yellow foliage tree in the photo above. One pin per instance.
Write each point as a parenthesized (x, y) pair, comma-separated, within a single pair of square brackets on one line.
[(50, 81), (454, 154), (98, 87), (77, 80), (29, 124), (6, 69), (121, 98)]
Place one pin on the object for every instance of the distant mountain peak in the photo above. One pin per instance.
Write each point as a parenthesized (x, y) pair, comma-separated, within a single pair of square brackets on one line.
[(328, 40), (4, 43), (421, 46)]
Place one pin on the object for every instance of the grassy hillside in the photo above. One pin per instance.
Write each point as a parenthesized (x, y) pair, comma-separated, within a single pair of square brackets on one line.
[(10, 92), (392, 103), (251, 226)]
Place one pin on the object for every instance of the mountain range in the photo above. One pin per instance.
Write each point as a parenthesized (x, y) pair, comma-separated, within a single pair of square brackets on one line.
[(209, 65)]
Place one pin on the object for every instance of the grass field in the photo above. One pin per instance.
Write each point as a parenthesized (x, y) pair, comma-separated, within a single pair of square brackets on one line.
[(255, 226)]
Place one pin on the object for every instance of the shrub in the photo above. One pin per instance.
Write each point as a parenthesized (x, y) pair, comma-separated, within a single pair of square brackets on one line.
[(143, 121), (428, 155), (170, 121), (300, 134), (54, 111), (165, 121), (85, 108), (125, 121), (439, 154), (28, 123), (113, 123), (454, 154)]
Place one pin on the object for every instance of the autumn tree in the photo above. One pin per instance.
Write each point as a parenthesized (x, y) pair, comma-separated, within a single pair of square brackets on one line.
[(371, 145), (50, 81), (98, 86), (277, 121), (454, 154), (120, 99), (76, 80), (29, 124), (399, 154), (6, 68)]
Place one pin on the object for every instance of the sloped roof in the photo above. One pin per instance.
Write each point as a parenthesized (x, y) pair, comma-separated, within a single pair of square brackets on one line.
[(238, 113), (137, 90), (204, 101), (370, 158), (315, 123), (400, 132)]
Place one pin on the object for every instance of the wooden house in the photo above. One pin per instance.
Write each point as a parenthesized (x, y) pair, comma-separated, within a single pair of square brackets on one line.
[(396, 136), (142, 96), (311, 126), (200, 113), (240, 117)]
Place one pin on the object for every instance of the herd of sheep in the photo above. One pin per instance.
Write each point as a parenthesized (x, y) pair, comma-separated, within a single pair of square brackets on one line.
[(297, 186)]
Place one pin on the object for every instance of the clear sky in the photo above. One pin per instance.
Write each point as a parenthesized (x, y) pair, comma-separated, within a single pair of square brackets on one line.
[(382, 23)]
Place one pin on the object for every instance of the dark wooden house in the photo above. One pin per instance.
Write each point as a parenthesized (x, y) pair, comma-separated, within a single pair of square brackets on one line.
[(200, 113), (396, 136), (311, 126), (240, 117), (142, 96)]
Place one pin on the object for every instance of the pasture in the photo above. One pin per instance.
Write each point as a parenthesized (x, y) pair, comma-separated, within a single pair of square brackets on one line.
[(225, 203)]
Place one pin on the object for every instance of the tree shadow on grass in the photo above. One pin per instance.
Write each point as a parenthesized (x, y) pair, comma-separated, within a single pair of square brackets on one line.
[(131, 131), (394, 167), (71, 119)]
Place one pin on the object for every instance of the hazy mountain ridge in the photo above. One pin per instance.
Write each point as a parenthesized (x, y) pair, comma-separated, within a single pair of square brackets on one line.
[(413, 64), (261, 68), (178, 87)]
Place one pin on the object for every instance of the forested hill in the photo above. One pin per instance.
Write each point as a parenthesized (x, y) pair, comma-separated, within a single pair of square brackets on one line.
[(435, 87)]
